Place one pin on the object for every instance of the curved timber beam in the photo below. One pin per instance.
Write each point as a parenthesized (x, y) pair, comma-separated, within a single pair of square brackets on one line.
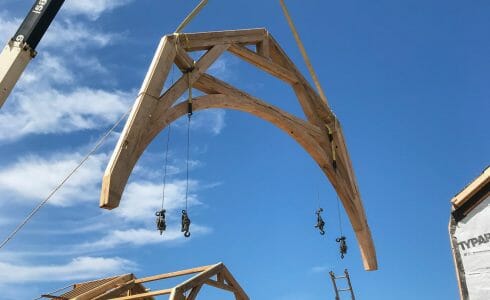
[(320, 134)]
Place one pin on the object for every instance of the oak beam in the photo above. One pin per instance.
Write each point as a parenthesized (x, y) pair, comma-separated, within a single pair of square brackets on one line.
[(219, 285), (114, 283), (145, 295), (194, 292), (145, 110), (199, 279), (173, 274), (263, 63), (206, 40)]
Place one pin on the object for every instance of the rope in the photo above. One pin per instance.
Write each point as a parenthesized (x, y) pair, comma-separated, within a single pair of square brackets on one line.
[(303, 52), (167, 150), (187, 159), (165, 166), (59, 186), (189, 115), (191, 16)]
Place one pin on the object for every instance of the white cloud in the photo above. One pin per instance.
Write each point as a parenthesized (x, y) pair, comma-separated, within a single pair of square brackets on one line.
[(211, 120), (80, 268), (48, 98), (48, 111), (66, 35), (47, 69), (319, 269), (8, 27), (33, 177), (143, 198), (140, 237), (93, 8)]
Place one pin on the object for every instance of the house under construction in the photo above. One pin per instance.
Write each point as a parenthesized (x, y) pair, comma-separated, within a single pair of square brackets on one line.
[(127, 286)]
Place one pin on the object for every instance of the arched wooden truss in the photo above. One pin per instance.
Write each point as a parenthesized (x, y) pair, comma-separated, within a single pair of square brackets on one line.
[(155, 109)]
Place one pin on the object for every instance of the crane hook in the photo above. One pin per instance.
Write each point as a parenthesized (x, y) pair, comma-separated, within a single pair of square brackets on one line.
[(343, 246), (320, 224), (161, 224), (186, 223)]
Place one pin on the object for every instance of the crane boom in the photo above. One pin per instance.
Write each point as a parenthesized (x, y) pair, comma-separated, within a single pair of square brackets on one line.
[(22, 47)]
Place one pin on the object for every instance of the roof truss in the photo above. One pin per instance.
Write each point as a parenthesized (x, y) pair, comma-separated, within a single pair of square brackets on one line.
[(154, 109), (216, 276)]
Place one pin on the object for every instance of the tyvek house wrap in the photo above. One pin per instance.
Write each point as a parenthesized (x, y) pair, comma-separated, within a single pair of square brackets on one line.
[(473, 241)]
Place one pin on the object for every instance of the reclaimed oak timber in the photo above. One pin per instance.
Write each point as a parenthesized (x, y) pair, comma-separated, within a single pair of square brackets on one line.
[(199, 279), (158, 111), (91, 294), (239, 291), (219, 285), (205, 40), (263, 63), (194, 292), (117, 291), (140, 121), (173, 274), (145, 295), (301, 131), (208, 83)]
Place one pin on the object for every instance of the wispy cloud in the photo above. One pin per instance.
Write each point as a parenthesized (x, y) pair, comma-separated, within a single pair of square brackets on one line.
[(66, 35), (212, 120), (142, 198), (93, 8), (49, 98), (8, 26), (80, 268), (139, 237), (50, 110), (320, 269), (31, 178)]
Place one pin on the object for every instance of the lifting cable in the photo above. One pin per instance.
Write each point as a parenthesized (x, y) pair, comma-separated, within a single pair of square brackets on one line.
[(99, 143), (186, 221), (342, 238), (191, 16), (303, 51), (161, 220)]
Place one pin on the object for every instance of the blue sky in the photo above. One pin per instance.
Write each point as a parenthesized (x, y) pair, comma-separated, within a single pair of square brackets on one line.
[(408, 81)]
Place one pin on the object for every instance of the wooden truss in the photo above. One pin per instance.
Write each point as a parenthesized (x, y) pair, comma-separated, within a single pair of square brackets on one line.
[(320, 134), (127, 287)]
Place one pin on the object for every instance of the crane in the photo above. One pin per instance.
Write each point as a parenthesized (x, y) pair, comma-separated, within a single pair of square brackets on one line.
[(21, 48)]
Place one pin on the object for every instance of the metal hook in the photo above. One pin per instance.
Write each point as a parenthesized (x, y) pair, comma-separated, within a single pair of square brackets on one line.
[(343, 246), (320, 224), (161, 224), (186, 223)]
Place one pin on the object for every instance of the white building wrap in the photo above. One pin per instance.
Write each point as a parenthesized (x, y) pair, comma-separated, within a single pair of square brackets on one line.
[(473, 242)]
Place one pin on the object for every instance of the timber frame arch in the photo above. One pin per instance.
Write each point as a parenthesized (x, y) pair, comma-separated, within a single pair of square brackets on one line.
[(320, 135)]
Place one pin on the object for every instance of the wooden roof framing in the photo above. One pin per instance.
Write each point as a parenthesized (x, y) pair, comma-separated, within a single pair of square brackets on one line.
[(127, 287), (154, 109), (471, 196)]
